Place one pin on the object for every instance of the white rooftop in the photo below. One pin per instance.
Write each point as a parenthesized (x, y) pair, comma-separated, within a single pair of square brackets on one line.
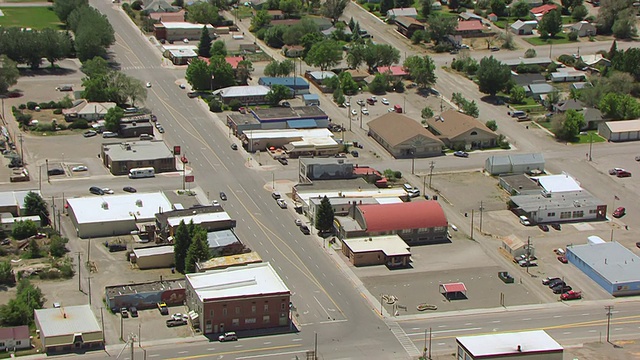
[(558, 183), (381, 195), (183, 53), (155, 250), (235, 91), (199, 218), (623, 126), (67, 320), (315, 142), (507, 343), (105, 208), (15, 198), (391, 245), (185, 25), (166, 47), (237, 281), (288, 133), (10, 220)]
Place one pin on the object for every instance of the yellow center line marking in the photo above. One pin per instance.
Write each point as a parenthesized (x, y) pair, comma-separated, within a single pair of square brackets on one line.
[(234, 352)]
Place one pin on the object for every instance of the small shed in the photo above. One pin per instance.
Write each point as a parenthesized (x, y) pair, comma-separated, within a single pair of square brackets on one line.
[(627, 130), (516, 247), (492, 17), (453, 290), (154, 257), (311, 99)]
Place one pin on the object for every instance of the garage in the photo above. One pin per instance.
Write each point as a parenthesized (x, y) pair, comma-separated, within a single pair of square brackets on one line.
[(627, 130)]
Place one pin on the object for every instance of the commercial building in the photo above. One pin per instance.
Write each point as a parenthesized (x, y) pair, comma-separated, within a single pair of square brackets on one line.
[(246, 95), (404, 137), (311, 99), (416, 222), (311, 169), (535, 345), (397, 72), (8, 222), (154, 257), (134, 126), (179, 31), (246, 297), (68, 328), (110, 215), (298, 117), (302, 142), (461, 131), (223, 262), (409, 12), (296, 84), (210, 218), (514, 246), (12, 202), (145, 295), (610, 265), (514, 164), (519, 184), (625, 130), (390, 250), (120, 157), (224, 243), (15, 338), (180, 56), (553, 207)]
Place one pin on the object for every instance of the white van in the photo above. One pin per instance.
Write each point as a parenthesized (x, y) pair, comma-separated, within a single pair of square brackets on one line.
[(407, 187), (141, 173), (524, 221), (146, 137), (109, 134)]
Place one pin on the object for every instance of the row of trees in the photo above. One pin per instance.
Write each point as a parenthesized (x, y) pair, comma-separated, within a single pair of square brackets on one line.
[(217, 74), (19, 310), (93, 32), (102, 83), (30, 47), (373, 55), (190, 247)]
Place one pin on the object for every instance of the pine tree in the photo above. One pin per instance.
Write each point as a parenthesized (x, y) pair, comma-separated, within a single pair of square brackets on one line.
[(181, 241), (324, 218), (198, 250), (204, 47), (613, 51)]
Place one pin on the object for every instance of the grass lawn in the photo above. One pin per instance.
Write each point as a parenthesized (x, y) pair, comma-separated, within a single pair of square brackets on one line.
[(558, 39), (584, 139), (566, 20), (36, 18)]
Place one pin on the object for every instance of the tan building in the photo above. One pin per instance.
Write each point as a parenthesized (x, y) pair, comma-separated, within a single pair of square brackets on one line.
[(404, 137), (460, 131), (70, 328), (390, 250), (154, 257), (120, 157), (530, 345)]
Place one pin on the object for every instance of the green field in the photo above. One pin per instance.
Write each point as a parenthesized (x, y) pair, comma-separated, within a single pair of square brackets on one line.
[(36, 18), (561, 38)]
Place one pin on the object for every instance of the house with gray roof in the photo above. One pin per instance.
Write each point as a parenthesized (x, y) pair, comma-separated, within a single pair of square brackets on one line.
[(570, 104), (537, 90), (583, 28), (407, 12), (523, 27)]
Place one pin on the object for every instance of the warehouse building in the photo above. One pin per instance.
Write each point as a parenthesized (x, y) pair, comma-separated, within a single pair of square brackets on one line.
[(531, 345), (245, 95), (514, 164), (625, 130), (296, 84), (390, 250), (110, 215), (120, 157), (296, 142), (609, 264), (145, 295), (154, 257), (224, 262), (69, 328), (179, 31), (246, 297)]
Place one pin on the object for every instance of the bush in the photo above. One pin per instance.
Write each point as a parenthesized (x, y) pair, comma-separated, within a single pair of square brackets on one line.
[(79, 124), (21, 107), (136, 5), (57, 111), (443, 47), (45, 127), (235, 104), (491, 124), (215, 106), (23, 119), (573, 36), (24, 229), (62, 126), (31, 105)]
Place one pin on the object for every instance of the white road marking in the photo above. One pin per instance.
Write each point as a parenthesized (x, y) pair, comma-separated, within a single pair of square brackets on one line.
[(566, 332), (444, 331), (557, 316), (182, 352), (495, 321), (593, 330), (526, 319), (467, 324), (587, 314), (272, 354), (333, 321), (153, 355), (267, 342), (211, 349), (296, 340)]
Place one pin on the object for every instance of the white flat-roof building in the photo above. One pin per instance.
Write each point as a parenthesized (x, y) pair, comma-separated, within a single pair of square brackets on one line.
[(246, 95), (558, 183), (506, 346), (624, 130), (377, 250), (13, 201), (68, 328), (109, 215), (178, 31), (238, 298), (154, 257), (297, 142)]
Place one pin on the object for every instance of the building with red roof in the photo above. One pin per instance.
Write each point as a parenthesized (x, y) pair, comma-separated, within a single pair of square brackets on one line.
[(15, 338), (395, 71), (541, 10), (469, 27), (416, 222)]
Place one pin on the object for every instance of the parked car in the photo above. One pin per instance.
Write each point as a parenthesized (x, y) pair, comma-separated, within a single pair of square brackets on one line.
[(562, 289), (354, 153), (176, 322), (549, 279), (619, 212), (96, 190), (89, 133), (56, 171), (234, 147), (385, 101), (562, 259), (614, 171), (305, 229), (108, 191), (124, 313), (282, 203), (228, 336), (460, 153), (638, 158), (571, 295), (183, 86), (527, 263), (148, 84), (559, 251), (365, 111), (623, 173), (298, 222), (543, 227), (360, 102), (354, 112), (223, 196), (275, 195), (495, 48), (129, 189), (115, 247), (555, 283), (286, 104), (160, 129), (556, 226), (215, 203), (134, 311), (283, 161), (164, 310), (371, 101)]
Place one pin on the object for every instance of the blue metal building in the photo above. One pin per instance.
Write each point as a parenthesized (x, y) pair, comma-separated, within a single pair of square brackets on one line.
[(295, 83)]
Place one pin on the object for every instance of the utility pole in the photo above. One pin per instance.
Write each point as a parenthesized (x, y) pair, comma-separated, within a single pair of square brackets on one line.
[(481, 208), (528, 252), (413, 161), (88, 251), (315, 347), (21, 149), (609, 309), (471, 224), (349, 114), (47, 162), (79, 266), (430, 333), (424, 351), (431, 166), (590, 144), (89, 281)]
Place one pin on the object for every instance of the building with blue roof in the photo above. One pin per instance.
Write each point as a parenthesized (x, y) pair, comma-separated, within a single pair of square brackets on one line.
[(311, 99), (297, 84)]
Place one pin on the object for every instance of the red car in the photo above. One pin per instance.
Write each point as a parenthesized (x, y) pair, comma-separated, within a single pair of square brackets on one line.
[(623, 173), (619, 212), (571, 295), (562, 259)]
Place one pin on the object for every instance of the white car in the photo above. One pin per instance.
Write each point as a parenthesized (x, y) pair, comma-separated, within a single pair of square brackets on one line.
[(215, 203), (79, 168), (391, 110), (346, 104), (282, 203), (108, 191), (148, 84), (183, 86), (385, 101), (365, 111), (354, 112), (185, 40)]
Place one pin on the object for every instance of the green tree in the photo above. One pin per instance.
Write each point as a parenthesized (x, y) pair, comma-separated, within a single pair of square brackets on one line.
[(221, 72), (204, 46), (355, 57), (199, 75), (348, 85), (34, 249), (625, 25), (14, 313), (421, 70), (324, 54), (612, 11), (260, 20), (426, 113), (499, 7), (333, 9), (35, 205), (620, 106), (278, 93), (530, 53), (63, 8), (133, 90), (198, 251), (23, 229), (553, 98), (243, 71), (293, 34), (569, 128), (492, 125), (56, 45), (520, 9), (309, 40), (219, 48), (9, 73), (112, 119), (58, 246), (425, 8), (517, 94), (440, 27), (492, 75), (182, 241), (579, 13), (338, 96), (551, 23), (274, 36), (379, 84), (203, 13), (385, 5), (324, 218), (471, 108), (7, 277), (376, 55)]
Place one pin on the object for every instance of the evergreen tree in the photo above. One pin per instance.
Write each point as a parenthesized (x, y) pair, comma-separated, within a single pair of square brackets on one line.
[(198, 250), (35, 205), (204, 47), (386, 5), (182, 241), (613, 51), (324, 218)]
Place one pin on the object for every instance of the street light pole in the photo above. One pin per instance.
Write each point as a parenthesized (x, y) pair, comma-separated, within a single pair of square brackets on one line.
[(609, 313), (413, 161), (590, 144), (431, 166), (349, 114)]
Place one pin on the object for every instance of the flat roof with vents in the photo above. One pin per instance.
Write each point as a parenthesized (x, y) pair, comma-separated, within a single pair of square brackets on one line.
[(509, 344), (107, 208)]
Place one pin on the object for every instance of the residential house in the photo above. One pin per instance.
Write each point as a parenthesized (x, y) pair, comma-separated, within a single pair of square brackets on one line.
[(160, 6), (345, 30), (570, 104), (461, 131), (580, 85), (469, 28), (168, 16), (397, 72), (436, 5), (90, 111), (592, 118), (540, 61), (15, 338), (595, 60), (537, 90), (534, 3), (406, 12), (276, 14), (404, 137), (407, 25), (466, 16), (492, 17), (292, 51), (542, 10), (564, 75), (528, 79), (523, 27), (583, 28)]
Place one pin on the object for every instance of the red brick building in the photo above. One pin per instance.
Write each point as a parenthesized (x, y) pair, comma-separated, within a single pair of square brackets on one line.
[(238, 298)]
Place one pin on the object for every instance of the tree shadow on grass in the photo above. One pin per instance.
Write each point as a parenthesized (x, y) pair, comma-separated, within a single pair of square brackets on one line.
[(47, 71)]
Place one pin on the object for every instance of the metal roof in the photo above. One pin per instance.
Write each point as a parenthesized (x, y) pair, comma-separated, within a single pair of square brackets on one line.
[(237, 91), (527, 61), (287, 133), (198, 218), (509, 343), (557, 201), (539, 88), (66, 320), (239, 281), (302, 124), (106, 208), (623, 126), (611, 260), (558, 183), (137, 150), (391, 245), (221, 238), (153, 250), (185, 25)]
